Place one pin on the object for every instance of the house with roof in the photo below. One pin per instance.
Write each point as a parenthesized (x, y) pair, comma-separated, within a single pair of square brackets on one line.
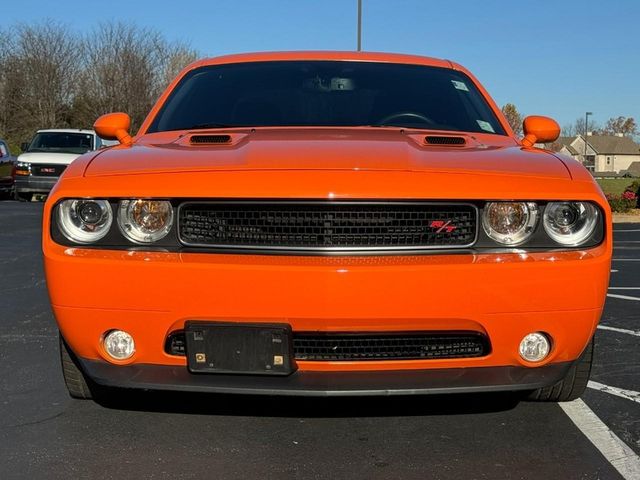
[(601, 153)]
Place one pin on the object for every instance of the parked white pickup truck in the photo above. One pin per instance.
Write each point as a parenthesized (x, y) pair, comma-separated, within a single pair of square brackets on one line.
[(47, 155)]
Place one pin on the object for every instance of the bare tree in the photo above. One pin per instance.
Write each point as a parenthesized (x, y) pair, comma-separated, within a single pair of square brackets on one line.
[(176, 58), (568, 130), (4, 110), (40, 71), (50, 77), (125, 69), (118, 72), (621, 125), (579, 127), (513, 117)]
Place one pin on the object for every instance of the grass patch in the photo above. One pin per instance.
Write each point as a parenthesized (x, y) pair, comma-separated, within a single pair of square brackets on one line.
[(614, 185)]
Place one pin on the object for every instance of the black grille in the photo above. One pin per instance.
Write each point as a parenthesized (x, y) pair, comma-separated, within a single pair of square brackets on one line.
[(47, 170), (347, 347), (176, 343), (388, 346), (327, 226), (199, 139), (441, 140)]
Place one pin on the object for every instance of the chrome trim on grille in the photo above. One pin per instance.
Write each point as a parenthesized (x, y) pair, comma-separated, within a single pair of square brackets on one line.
[(345, 250)]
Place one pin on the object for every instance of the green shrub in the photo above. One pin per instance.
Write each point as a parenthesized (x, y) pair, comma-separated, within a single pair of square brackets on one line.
[(634, 187)]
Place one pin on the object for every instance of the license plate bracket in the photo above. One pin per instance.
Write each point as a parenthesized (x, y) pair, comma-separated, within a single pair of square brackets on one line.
[(239, 348)]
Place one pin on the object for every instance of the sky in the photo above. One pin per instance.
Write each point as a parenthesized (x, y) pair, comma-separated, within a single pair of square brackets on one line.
[(559, 58)]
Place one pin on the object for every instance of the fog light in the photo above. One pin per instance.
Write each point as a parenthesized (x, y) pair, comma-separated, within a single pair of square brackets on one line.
[(535, 347), (119, 344)]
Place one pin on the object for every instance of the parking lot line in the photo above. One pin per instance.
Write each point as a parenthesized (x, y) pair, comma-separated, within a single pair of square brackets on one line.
[(619, 330), (617, 453), (619, 392), (623, 297), (624, 288)]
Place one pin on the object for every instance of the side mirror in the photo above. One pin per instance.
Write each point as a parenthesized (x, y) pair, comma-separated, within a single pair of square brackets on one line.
[(539, 129), (114, 126), (24, 146)]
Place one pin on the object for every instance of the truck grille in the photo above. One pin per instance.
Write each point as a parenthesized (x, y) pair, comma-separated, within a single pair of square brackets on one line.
[(350, 347), (52, 170), (323, 226)]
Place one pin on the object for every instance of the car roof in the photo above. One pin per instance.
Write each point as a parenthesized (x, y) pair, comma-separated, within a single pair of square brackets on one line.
[(66, 130), (325, 55)]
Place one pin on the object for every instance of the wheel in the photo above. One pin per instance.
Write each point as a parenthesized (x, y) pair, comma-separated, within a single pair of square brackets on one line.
[(73, 376), (572, 385), (22, 197)]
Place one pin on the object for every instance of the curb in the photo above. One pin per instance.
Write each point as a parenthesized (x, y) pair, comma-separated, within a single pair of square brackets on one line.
[(626, 217)]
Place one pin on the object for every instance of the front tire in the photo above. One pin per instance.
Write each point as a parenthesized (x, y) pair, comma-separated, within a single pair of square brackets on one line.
[(74, 379), (572, 385)]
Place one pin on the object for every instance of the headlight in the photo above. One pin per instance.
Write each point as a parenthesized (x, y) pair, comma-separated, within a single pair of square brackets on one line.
[(145, 221), (84, 221), (23, 168), (510, 223), (570, 223)]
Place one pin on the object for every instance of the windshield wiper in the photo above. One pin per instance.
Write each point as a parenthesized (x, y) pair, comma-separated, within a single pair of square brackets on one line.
[(389, 125)]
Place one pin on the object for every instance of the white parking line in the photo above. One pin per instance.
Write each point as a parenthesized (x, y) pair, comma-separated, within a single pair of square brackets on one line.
[(617, 453), (618, 392), (619, 330), (623, 297), (619, 231), (614, 271), (624, 288)]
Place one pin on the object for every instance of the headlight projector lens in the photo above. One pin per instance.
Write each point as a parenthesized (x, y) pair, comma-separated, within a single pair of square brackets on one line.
[(84, 220), (570, 223)]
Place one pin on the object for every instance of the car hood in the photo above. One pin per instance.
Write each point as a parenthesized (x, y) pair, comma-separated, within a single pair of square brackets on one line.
[(48, 157), (366, 150)]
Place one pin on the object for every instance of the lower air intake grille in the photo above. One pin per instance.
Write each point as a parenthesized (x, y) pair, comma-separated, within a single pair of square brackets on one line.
[(353, 347), (345, 347), (322, 226)]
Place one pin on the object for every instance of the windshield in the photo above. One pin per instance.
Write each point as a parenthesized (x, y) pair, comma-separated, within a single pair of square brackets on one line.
[(61, 142), (326, 93)]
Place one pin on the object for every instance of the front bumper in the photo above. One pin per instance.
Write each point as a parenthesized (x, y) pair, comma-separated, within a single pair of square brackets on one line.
[(329, 384), (35, 184), (502, 296)]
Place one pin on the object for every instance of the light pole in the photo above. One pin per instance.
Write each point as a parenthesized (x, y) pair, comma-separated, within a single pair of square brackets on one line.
[(586, 129), (359, 25)]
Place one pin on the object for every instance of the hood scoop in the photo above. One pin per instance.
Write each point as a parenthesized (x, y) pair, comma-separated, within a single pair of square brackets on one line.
[(448, 140), (209, 139)]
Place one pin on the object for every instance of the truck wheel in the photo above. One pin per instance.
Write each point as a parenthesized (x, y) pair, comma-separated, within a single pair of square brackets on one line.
[(73, 377), (22, 197), (572, 385)]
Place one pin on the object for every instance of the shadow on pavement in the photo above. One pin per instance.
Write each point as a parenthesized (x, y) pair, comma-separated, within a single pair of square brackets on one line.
[(312, 407)]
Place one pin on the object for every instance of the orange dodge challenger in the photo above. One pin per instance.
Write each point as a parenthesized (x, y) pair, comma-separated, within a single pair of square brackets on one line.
[(325, 223)]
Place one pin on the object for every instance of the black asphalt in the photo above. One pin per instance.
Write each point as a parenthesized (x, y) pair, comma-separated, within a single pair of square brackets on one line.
[(45, 434)]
